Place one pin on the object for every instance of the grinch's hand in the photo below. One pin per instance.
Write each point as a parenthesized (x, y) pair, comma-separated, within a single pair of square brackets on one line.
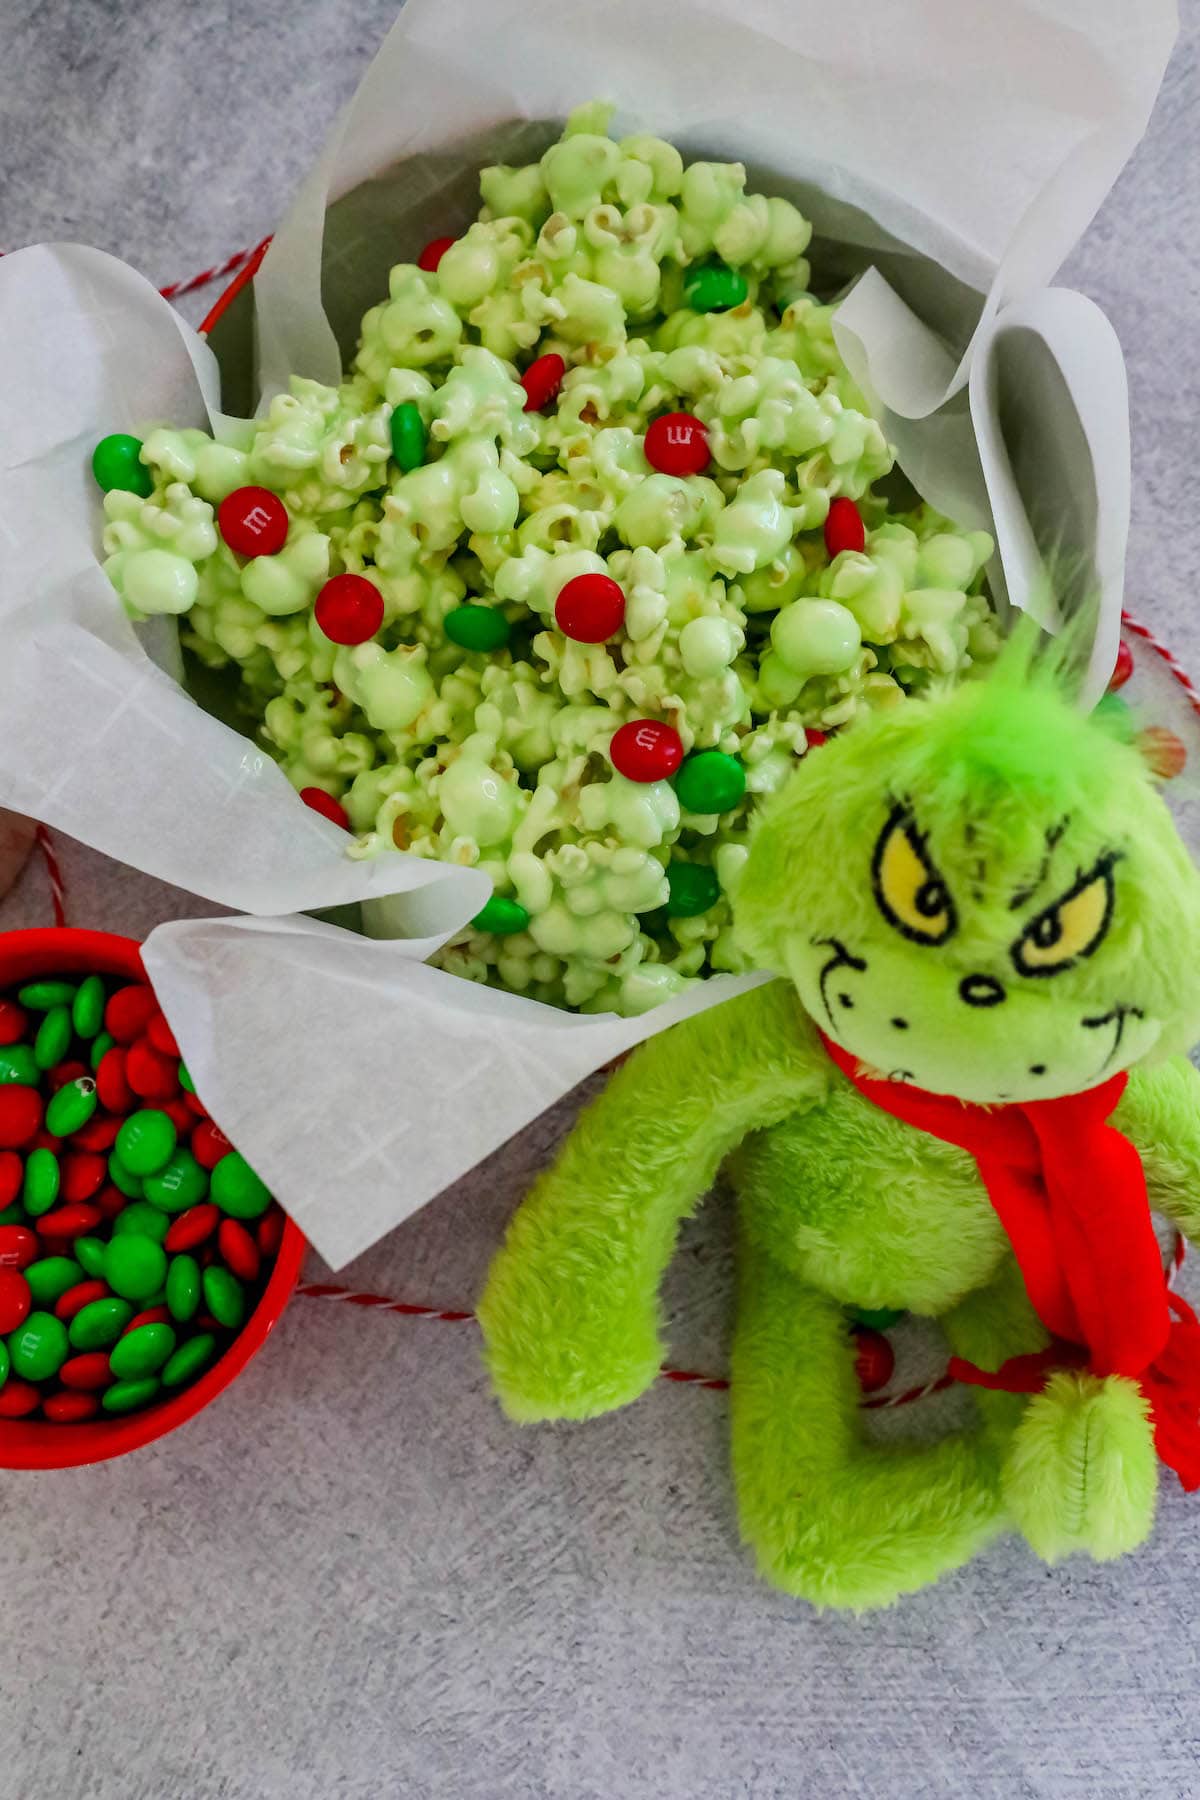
[(1082, 1472), (555, 1352), (570, 1313)]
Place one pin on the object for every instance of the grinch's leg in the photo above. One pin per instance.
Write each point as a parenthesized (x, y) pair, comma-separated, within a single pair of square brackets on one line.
[(831, 1518), (1079, 1466)]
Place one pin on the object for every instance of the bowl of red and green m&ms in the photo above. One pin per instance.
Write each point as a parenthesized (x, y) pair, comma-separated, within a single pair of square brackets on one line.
[(142, 1260)]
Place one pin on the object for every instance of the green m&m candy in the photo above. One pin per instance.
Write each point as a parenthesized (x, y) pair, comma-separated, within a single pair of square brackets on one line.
[(50, 1277), (17, 1065), (476, 627), (501, 915), (189, 1359), (877, 1318), (71, 1107), (87, 1008), (40, 996), (89, 1254), (134, 1267), (54, 1037), (42, 1177), (408, 435), (141, 1352), (180, 1184), (99, 1324), (145, 1142), (127, 1396), (710, 782), (100, 1049), (223, 1296), (237, 1190), (183, 1288), (121, 1178), (142, 1220), (4, 1360), (38, 1347), (692, 889), (116, 463), (714, 288)]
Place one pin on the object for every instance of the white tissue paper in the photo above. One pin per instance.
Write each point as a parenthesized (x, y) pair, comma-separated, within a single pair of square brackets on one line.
[(952, 153)]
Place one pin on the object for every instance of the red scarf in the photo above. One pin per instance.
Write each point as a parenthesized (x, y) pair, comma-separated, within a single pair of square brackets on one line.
[(1070, 1192)]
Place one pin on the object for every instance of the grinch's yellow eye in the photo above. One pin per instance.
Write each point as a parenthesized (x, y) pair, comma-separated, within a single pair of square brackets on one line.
[(1069, 930), (910, 893)]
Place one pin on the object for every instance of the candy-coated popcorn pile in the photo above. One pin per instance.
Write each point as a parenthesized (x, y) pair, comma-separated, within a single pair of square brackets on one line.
[(583, 554)]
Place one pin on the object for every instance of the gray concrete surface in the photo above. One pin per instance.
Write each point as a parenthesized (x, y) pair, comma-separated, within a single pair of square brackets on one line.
[(350, 1579)]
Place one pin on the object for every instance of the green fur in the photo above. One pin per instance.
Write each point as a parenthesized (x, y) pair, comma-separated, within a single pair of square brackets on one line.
[(1009, 790), (1082, 1473)]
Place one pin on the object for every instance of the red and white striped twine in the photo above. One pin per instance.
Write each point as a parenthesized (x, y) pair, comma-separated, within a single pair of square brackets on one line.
[(174, 290), (329, 1290), (58, 892), (1137, 629)]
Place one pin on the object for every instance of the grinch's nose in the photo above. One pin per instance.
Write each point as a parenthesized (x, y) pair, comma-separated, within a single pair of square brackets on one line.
[(980, 990)]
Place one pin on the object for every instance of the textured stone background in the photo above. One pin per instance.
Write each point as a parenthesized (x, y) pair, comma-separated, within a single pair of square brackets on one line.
[(350, 1579)]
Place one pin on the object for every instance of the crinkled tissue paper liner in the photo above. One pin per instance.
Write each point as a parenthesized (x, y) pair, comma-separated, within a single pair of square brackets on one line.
[(949, 155)]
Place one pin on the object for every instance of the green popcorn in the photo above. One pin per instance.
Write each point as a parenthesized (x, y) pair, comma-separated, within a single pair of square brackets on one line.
[(153, 547), (482, 260), (413, 329), (519, 193), (391, 686), (662, 507), (212, 470), (755, 527), (319, 448), (577, 171), (290, 581), (738, 627)]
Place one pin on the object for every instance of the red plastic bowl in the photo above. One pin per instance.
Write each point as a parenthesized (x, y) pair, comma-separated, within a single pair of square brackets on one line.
[(37, 1444)]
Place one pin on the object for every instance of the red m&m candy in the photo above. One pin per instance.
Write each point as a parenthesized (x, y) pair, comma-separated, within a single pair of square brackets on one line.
[(646, 750), (15, 1300), (12, 1022), (542, 380), (12, 1175), (18, 1399), (128, 1013), (844, 529), (151, 1076), (874, 1360), (1122, 670), (254, 522), (18, 1245), (88, 1370), (162, 1038), (1164, 754), (20, 1115), (677, 444), (70, 1407), (209, 1144), (83, 1174), (433, 253), (326, 805), (590, 608), (814, 738), (349, 609)]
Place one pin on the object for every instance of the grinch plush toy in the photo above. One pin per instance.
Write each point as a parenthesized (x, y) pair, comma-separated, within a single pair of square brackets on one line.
[(961, 1098)]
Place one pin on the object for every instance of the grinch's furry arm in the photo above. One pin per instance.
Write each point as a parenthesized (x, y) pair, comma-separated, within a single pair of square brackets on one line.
[(1160, 1111), (570, 1313)]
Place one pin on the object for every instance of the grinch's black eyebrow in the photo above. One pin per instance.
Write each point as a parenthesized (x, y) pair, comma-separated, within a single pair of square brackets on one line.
[(1025, 894)]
